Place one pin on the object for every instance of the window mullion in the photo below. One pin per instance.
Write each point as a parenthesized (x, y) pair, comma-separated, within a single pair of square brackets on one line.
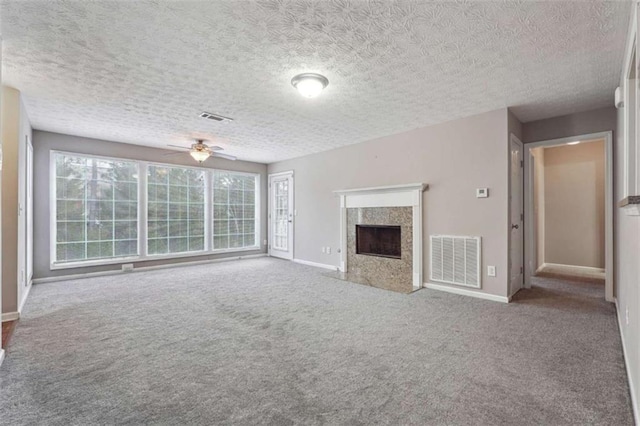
[(86, 216), (143, 209), (208, 210)]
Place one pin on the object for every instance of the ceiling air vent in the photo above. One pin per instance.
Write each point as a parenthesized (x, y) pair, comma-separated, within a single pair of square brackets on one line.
[(214, 117)]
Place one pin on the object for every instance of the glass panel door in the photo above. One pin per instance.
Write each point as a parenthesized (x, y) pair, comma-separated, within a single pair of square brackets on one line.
[(281, 215)]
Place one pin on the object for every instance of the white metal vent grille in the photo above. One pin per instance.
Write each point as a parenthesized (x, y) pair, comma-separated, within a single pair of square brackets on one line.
[(215, 117), (456, 260)]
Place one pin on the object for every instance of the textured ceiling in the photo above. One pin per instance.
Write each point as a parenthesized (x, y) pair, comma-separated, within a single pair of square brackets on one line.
[(141, 72)]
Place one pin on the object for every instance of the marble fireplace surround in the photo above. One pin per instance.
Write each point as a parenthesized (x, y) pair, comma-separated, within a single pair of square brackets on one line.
[(409, 195)]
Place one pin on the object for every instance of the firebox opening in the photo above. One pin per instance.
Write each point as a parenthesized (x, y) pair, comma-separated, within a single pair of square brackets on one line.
[(378, 240)]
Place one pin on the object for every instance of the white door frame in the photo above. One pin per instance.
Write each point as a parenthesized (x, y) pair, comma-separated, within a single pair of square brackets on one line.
[(514, 138), (608, 204), (29, 213), (291, 242)]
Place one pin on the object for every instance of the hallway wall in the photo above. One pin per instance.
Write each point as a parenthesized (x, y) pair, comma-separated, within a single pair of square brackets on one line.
[(574, 196)]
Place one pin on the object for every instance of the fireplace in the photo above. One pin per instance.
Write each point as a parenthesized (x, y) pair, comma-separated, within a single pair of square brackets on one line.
[(381, 236), (379, 240)]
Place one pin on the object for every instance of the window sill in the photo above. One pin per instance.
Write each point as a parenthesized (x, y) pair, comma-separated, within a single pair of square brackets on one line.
[(148, 258)]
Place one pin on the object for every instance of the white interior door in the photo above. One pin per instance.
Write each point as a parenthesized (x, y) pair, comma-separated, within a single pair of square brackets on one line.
[(516, 232), (29, 214), (281, 215)]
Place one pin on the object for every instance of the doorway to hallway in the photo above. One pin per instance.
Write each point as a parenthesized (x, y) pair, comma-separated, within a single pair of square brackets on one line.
[(569, 210)]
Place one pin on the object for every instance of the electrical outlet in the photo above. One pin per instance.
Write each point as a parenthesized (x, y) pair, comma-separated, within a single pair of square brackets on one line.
[(491, 271), (323, 249), (328, 250), (265, 242), (482, 192)]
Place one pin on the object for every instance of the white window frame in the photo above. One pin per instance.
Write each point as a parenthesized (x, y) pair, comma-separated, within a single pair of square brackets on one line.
[(207, 205), (256, 214), (630, 114), (143, 254), (53, 207)]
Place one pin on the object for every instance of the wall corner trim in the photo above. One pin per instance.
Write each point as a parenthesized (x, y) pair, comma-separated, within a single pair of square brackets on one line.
[(632, 388), (25, 296), (465, 292), (317, 265)]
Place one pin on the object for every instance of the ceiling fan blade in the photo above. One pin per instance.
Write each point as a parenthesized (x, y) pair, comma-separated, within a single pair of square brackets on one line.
[(181, 147), (172, 153), (215, 148), (225, 156)]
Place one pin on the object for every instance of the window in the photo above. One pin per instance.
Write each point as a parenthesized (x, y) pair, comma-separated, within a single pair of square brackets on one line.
[(96, 208), (176, 205), (184, 210), (234, 210)]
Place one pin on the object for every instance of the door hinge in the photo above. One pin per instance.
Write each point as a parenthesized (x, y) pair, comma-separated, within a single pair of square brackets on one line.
[(522, 163), (521, 269), (521, 216)]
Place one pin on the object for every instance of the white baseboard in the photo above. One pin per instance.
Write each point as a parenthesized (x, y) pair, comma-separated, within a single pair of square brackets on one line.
[(571, 268), (1, 356), (317, 265), (142, 269), (10, 316), (632, 388), (465, 292)]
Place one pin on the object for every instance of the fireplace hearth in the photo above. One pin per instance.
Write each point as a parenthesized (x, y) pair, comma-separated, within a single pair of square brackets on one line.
[(379, 240)]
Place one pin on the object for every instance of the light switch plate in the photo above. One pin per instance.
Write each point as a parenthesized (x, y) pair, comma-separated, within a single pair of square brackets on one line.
[(491, 271)]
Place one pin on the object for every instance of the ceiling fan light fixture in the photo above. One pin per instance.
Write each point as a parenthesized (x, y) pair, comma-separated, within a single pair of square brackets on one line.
[(200, 155), (309, 84)]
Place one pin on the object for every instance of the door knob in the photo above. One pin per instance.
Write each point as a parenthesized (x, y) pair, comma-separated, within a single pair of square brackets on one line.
[(514, 226)]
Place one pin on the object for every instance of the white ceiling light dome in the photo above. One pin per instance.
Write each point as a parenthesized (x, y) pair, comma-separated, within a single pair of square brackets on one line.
[(200, 156), (309, 84)]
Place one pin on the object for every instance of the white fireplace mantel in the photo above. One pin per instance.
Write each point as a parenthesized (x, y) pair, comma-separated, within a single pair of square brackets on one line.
[(408, 195)]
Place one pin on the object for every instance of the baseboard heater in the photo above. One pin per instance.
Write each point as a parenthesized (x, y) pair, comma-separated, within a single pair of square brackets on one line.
[(456, 260)]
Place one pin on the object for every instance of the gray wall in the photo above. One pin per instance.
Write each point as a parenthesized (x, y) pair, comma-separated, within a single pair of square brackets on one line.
[(514, 125), (582, 123), (574, 200), (44, 142), (454, 158)]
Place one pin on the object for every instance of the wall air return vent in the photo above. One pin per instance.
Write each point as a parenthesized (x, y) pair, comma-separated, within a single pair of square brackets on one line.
[(456, 260), (214, 117)]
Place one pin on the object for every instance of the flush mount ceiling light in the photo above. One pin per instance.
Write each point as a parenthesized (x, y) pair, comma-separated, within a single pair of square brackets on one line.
[(309, 84), (573, 143)]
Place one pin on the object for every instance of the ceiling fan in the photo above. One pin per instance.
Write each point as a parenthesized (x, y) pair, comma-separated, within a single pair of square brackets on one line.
[(200, 151)]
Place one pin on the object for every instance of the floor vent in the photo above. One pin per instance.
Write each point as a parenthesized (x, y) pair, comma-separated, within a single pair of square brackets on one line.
[(456, 260)]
